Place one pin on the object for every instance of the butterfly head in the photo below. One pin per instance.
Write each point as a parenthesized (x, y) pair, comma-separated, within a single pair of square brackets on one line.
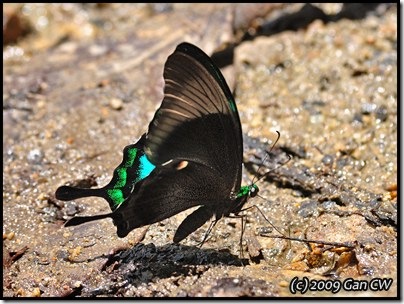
[(242, 196), (249, 190)]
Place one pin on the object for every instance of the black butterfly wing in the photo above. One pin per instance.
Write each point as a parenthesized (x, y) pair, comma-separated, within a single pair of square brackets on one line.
[(198, 118), (193, 221), (170, 189)]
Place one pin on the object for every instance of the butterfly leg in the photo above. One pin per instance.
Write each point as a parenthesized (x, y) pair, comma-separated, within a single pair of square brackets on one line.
[(243, 225), (283, 236), (212, 224)]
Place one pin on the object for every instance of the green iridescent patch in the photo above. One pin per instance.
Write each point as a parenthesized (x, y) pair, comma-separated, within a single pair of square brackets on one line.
[(122, 177), (116, 195), (232, 105), (134, 167), (132, 152)]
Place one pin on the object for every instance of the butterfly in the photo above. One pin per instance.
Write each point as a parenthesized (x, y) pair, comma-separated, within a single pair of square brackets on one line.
[(190, 156)]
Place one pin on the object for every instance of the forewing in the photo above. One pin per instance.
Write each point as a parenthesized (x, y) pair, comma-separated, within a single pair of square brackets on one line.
[(198, 118)]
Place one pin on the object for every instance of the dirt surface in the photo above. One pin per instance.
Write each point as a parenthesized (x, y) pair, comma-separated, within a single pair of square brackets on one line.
[(82, 81)]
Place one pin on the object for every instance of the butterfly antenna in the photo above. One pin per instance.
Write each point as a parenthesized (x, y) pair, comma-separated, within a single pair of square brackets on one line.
[(265, 158), (274, 169), (251, 181), (267, 155)]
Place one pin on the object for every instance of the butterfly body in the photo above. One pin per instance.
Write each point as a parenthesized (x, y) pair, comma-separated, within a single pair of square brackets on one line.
[(191, 155)]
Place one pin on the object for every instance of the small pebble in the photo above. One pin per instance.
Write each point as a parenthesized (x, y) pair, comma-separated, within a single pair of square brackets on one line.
[(36, 292), (283, 284), (116, 103)]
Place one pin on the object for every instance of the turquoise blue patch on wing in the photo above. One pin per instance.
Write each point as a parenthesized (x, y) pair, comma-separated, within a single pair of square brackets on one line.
[(134, 167), (145, 167)]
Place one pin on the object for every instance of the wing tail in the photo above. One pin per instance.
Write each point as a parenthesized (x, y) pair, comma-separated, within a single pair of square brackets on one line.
[(77, 220)]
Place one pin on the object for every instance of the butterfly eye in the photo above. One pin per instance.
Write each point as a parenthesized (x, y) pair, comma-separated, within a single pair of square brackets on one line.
[(253, 191), (182, 165)]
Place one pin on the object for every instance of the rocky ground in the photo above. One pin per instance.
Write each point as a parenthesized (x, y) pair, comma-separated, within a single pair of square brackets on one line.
[(82, 81)]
